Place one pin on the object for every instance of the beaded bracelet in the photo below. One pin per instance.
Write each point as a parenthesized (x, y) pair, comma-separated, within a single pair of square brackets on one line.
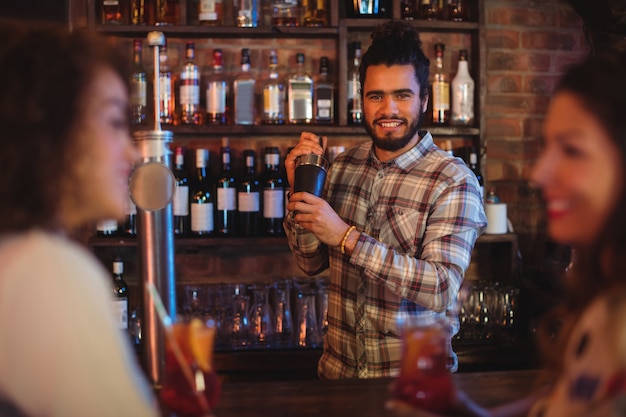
[(345, 238)]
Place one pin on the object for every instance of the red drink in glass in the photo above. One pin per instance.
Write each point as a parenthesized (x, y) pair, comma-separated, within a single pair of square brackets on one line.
[(195, 391), (425, 380)]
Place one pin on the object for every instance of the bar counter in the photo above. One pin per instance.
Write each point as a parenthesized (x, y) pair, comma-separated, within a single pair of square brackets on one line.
[(354, 397)]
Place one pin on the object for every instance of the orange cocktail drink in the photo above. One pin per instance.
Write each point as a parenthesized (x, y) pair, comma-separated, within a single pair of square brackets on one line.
[(190, 383)]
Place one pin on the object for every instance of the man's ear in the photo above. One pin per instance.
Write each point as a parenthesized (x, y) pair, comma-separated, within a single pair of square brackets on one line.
[(425, 102)]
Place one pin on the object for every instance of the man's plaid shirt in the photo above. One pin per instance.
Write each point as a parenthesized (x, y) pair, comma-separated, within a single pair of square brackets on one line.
[(419, 217)]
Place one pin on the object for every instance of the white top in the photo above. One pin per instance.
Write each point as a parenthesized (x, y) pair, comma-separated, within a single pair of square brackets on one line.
[(61, 352), (593, 382)]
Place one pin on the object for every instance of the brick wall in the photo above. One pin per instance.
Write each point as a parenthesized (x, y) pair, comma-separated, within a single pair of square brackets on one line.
[(529, 44)]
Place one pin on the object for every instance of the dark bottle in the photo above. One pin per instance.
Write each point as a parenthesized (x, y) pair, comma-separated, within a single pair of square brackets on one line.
[(202, 199), (273, 194), (129, 227), (120, 294), (249, 198), (180, 203), (324, 95), (225, 222), (138, 87), (473, 165), (355, 106), (111, 12)]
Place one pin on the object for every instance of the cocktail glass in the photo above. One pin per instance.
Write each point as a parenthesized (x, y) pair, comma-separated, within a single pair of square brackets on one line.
[(191, 387), (425, 380)]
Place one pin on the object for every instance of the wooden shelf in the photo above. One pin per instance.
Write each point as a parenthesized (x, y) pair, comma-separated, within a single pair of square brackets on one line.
[(197, 31), (206, 242), (287, 129)]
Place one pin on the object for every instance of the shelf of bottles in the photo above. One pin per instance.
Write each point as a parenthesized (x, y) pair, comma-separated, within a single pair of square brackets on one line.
[(184, 21)]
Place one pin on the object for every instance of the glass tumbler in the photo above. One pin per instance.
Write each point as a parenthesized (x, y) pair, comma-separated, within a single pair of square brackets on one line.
[(282, 321), (260, 319), (307, 330)]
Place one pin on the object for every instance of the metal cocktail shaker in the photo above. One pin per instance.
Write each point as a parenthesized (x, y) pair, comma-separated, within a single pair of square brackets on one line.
[(310, 174)]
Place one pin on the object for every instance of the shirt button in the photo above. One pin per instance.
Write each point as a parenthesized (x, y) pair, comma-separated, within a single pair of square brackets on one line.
[(361, 290), (380, 176)]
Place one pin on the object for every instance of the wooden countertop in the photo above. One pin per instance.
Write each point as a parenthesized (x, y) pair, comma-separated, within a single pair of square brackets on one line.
[(347, 398)]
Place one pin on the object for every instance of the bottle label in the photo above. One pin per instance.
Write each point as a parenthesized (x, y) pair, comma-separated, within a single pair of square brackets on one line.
[(110, 2), (165, 87), (216, 97), (138, 93), (249, 202), (273, 203), (244, 102), (208, 10), (441, 95), (226, 199), (189, 94), (107, 226), (189, 87), (120, 307), (202, 218), (301, 101), (463, 103), (180, 201), (272, 99)]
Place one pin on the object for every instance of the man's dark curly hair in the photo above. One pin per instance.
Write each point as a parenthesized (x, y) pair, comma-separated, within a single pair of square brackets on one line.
[(397, 43), (45, 72)]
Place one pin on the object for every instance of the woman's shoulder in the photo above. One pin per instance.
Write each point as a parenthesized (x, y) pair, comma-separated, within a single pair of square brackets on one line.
[(38, 250)]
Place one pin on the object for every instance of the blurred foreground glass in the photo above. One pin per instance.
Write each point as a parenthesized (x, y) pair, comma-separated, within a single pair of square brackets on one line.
[(425, 380), (190, 383)]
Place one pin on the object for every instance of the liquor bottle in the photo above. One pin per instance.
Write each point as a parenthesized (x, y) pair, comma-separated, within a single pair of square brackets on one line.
[(273, 194), (324, 95), (180, 203), (167, 12), (315, 13), (473, 165), (273, 95), (462, 93), (225, 222), (456, 10), (355, 104), (243, 87), (202, 223), (249, 198), (120, 294), (129, 227), (138, 87), (441, 89), (137, 12), (107, 228), (210, 12), (246, 13), (190, 88), (429, 9), (300, 94), (217, 92), (407, 9), (166, 88), (285, 12), (111, 12)]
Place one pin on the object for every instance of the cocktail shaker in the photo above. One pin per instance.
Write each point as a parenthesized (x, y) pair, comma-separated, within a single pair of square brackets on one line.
[(310, 174)]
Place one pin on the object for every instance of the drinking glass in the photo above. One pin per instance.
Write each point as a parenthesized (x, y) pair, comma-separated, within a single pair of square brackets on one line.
[(191, 387), (307, 331), (260, 320), (425, 380), (282, 320)]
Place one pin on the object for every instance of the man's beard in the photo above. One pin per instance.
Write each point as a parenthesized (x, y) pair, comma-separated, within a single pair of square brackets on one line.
[(388, 143)]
